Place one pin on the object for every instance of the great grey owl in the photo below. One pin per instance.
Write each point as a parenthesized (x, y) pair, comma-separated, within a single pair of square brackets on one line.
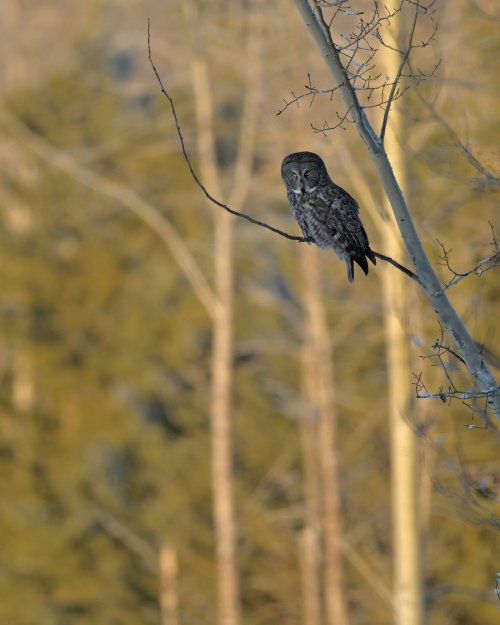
[(327, 215)]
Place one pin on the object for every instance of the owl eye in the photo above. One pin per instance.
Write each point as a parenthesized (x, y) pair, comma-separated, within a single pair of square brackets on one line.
[(307, 173), (294, 174)]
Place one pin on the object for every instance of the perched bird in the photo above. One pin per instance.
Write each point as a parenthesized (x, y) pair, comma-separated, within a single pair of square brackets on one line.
[(327, 215)]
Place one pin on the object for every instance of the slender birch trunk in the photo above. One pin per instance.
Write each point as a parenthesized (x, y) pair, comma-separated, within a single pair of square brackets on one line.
[(309, 542), (168, 585), (319, 339), (228, 589), (423, 412), (309, 559), (407, 582), (222, 447), (221, 426), (408, 604)]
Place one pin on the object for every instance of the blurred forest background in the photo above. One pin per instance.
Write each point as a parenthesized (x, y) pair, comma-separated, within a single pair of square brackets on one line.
[(115, 292)]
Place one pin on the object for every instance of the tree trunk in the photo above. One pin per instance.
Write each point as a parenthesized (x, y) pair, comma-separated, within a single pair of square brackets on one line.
[(319, 339), (408, 607), (222, 348), (222, 470), (408, 604), (222, 351), (310, 537), (309, 558), (168, 585)]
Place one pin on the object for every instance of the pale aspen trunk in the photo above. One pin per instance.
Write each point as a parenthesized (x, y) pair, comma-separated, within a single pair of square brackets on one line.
[(318, 336), (310, 536), (222, 447), (427, 468), (228, 592), (168, 585), (423, 412), (23, 391), (14, 68), (308, 545), (408, 603), (222, 349), (23, 400)]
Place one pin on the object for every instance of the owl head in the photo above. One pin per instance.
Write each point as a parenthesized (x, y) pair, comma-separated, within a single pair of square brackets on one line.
[(303, 171)]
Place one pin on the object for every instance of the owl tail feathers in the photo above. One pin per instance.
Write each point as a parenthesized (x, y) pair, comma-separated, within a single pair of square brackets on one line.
[(361, 261), (371, 255)]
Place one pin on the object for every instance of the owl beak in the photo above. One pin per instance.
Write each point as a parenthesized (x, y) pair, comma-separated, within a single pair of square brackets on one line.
[(301, 186)]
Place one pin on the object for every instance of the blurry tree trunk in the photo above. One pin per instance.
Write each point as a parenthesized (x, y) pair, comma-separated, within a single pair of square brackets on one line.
[(222, 351), (12, 75), (23, 392), (321, 389), (408, 604), (168, 585), (423, 415), (222, 448), (310, 536), (223, 502), (13, 69), (309, 560)]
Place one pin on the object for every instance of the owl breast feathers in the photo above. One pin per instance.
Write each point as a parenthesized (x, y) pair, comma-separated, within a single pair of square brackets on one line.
[(327, 215)]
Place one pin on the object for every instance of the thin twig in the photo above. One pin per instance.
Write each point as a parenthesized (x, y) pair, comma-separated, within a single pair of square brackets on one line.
[(439, 346), (191, 169), (491, 177), (421, 392), (481, 267), (398, 75), (125, 196), (134, 543), (224, 206), (311, 92), (395, 263), (454, 395)]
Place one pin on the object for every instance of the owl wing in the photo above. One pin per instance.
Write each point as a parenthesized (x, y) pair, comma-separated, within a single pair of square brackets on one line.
[(346, 229)]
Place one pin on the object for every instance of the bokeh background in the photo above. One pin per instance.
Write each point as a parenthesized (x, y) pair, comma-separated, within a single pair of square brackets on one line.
[(107, 252)]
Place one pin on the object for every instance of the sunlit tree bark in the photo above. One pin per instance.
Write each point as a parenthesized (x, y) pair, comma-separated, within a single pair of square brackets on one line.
[(229, 608), (322, 399), (168, 585), (408, 602), (309, 541), (222, 349), (311, 605)]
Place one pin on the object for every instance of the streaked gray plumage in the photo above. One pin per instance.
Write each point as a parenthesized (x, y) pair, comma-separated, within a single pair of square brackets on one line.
[(327, 214)]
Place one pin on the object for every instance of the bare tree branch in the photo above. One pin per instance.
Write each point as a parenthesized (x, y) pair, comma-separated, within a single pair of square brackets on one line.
[(191, 169), (398, 75), (490, 177), (481, 267), (311, 92), (471, 399), (126, 196), (135, 544), (422, 393), (359, 48), (315, 22), (215, 201), (402, 268)]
